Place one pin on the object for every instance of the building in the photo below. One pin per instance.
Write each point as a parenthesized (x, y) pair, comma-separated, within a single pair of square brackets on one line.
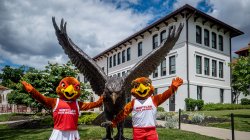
[(200, 57), (243, 51), (3, 95)]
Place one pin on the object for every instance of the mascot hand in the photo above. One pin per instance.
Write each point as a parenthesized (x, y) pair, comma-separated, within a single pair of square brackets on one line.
[(177, 82), (106, 124), (28, 87)]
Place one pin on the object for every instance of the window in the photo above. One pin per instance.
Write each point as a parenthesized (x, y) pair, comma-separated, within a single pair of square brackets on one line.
[(163, 35), (128, 54), (114, 60), (163, 68), (139, 49), (221, 95), (221, 70), (206, 37), (155, 74), (198, 34), (155, 41), (199, 92), (206, 66), (119, 74), (110, 61), (85, 80), (172, 65), (119, 58), (198, 64), (220, 43), (156, 91), (123, 56), (214, 41), (123, 73), (214, 68)]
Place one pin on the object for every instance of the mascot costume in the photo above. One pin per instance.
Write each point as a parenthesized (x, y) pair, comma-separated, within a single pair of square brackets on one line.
[(144, 108), (66, 108)]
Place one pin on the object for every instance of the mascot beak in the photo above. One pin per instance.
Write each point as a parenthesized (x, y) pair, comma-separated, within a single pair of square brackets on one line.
[(141, 88), (69, 92), (114, 97)]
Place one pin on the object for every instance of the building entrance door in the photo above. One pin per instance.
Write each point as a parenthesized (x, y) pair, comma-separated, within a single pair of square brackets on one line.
[(172, 103)]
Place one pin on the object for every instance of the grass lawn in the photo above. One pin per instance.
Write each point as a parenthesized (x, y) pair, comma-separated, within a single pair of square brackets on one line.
[(241, 118), (94, 133)]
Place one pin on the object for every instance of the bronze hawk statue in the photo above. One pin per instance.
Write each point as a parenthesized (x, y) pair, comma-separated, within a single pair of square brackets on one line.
[(114, 88)]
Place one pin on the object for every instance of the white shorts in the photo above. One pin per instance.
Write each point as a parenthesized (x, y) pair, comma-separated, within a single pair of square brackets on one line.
[(64, 135)]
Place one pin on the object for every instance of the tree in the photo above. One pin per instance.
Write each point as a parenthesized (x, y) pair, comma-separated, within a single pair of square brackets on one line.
[(10, 76), (240, 77), (45, 81)]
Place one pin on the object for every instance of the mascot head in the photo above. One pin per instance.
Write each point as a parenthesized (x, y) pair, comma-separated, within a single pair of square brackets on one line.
[(142, 88), (69, 88)]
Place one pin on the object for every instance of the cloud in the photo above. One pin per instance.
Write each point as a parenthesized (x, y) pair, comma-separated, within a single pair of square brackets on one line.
[(29, 36), (235, 13)]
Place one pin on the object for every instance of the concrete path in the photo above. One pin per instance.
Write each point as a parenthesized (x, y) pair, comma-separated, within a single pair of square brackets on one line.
[(9, 122), (225, 134)]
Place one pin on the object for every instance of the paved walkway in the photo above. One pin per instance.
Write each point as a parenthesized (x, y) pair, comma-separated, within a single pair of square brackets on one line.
[(220, 133), (9, 122)]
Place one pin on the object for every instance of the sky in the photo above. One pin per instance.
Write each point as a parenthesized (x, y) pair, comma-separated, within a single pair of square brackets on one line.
[(28, 38)]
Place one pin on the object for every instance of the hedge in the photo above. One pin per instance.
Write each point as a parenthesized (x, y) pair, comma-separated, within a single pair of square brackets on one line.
[(245, 101), (192, 103), (87, 118), (219, 106), (160, 109)]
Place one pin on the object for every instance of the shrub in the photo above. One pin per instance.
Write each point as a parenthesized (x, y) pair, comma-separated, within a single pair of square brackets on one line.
[(191, 104), (87, 119), (199, 104), (245, 101), (219, 106), (171, 120), (160, 109), (196, 117)]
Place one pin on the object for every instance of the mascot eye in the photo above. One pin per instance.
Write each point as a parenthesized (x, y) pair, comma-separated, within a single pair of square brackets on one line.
[(77, 87), (147, 84), (136, 85), (63, 84)]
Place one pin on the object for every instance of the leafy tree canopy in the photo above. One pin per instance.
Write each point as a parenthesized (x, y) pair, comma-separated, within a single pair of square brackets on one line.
[(45, 81), (241, 76)]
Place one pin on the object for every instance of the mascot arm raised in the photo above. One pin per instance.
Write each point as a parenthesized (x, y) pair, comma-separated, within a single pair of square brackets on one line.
[(160, 98), (48, 102), (90, 105)]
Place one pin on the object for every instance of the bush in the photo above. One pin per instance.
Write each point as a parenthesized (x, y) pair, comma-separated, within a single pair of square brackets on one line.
[(245, 101), (219, 106), (160, 109), (196, 117), (199, 104), (87, 119), (171, 120), (192, 103)]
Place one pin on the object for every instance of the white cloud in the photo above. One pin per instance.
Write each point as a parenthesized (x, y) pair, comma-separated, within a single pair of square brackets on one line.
[(235, 13), (93, 25)]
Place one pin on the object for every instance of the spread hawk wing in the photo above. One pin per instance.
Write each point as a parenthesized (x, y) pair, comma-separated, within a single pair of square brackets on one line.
[(81, 60), (150, 62)]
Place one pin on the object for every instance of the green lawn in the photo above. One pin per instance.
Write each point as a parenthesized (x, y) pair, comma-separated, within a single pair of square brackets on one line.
[(94, 133), (241, 118)]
